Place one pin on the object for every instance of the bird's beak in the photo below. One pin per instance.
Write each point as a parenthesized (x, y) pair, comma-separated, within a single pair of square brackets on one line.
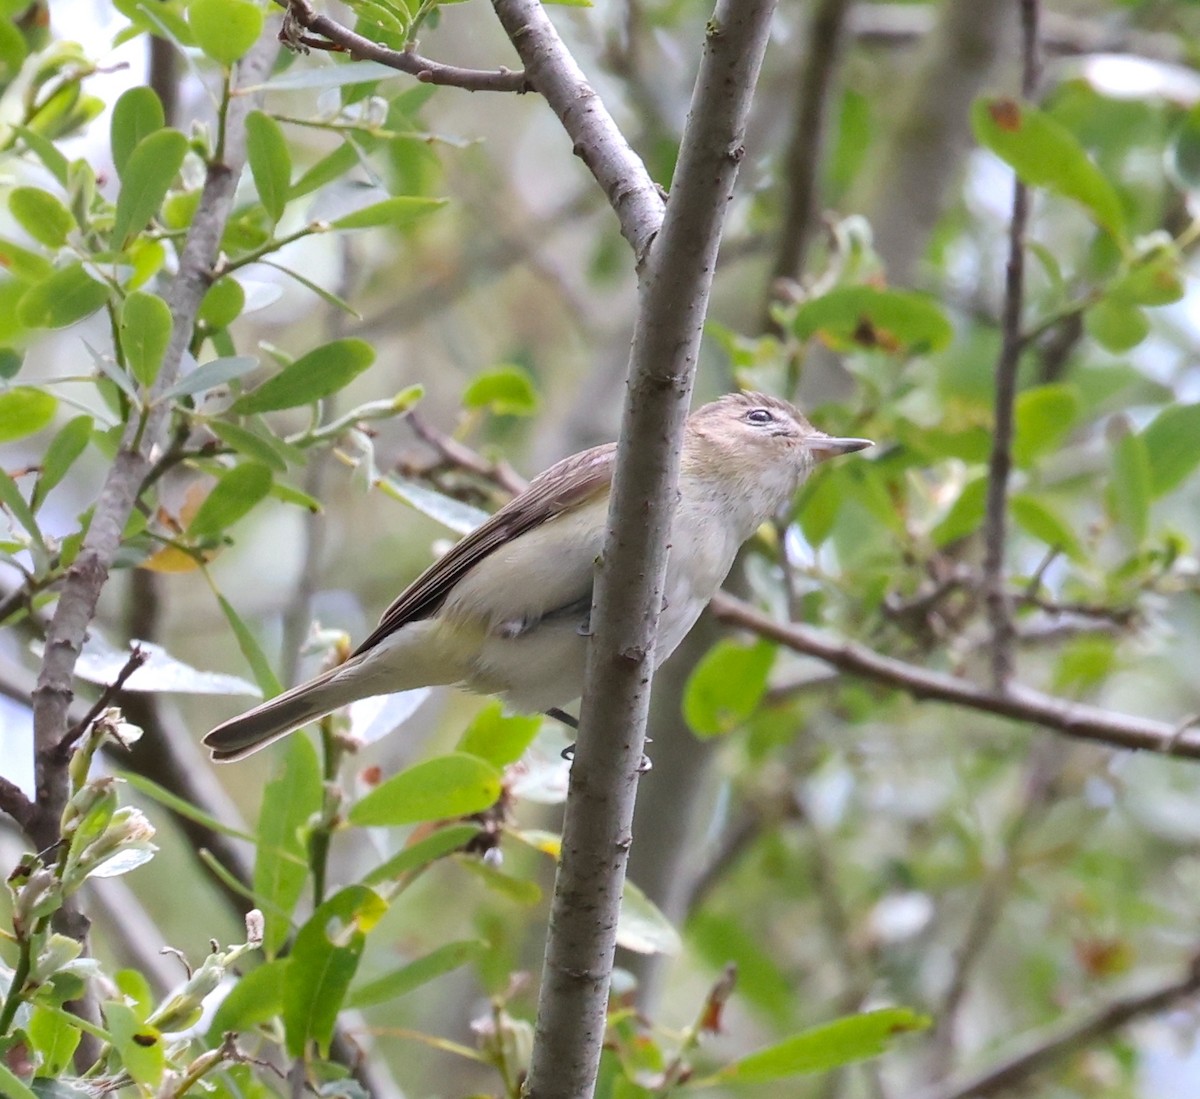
[(827, 446)]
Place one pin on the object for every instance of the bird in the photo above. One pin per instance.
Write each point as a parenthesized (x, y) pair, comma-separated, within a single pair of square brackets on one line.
[(506, 610)]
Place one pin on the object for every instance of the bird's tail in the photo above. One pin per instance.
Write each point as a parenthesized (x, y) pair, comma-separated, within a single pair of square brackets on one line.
[(278, 716), (418, 655)]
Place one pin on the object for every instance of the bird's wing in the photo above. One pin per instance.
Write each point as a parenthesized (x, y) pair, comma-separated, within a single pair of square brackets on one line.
[(564, 485)]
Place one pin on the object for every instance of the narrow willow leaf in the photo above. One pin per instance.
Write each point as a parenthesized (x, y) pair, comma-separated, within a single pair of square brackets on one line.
[(842, 1042), (420, 854), (64, 449), (322, 963), (264, 676), (235, 495), (445, 959), (270, 162), (290, 798), (211, 374), (320, 373), (398, 212)]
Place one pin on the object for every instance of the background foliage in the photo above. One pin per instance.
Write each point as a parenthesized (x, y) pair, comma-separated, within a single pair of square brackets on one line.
[(420, 292)]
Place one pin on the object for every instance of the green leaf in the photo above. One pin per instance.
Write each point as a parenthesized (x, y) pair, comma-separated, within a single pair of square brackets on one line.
[(47, 152), (292, 796), (145, 332), (264, 676), (842, 1042), (444, 959), (507, 391), (1172, 441), (140, 1045), (223, 303), (249, 444), (1035, 518), (453, 514), (1043, 417), (864, 317), (321, 372), (642, 927), (65, 447), (55, 1040), (496, 738), (1129, 490), (518, 890), (399, 212), (181, 807), (965, 514), (1183, 153), (67, 296), (211, 374), (342, 159), (225, 29), (10, 362), (418, 855), (454, 785), (234, 496), (322, 964), (153, 165), (11, 1085), (136, 115), (727, 686), (11, 498), (256, 998), (1156, 279), (23, 264), (24, 410), (1045, 154), (41, 215), (1116, 325), (270, 162)]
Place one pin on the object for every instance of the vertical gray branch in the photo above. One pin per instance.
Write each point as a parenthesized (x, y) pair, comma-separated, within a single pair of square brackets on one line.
[(143, 436), (674, 295), (1000, 463)]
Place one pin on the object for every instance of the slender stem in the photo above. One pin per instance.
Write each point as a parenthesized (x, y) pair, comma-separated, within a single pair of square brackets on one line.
[(1000, 465), (20, 975), (1074, 719)]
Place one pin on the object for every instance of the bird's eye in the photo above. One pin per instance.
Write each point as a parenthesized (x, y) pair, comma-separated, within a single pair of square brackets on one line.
[(759, 416)]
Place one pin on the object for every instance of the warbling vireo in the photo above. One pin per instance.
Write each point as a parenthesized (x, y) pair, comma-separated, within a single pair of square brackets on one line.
[(506, 610)]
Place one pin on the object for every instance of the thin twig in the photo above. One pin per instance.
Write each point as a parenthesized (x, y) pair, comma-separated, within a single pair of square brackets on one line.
[(301, 13), (1000, 464), (462, 457), (1041, 778), (14, 802), (804, 155), (1044, 1050), (136, 659), (1074, 719), (598, 142)]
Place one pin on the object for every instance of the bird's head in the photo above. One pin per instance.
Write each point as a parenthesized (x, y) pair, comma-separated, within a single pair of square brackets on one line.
[(756, 436)]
